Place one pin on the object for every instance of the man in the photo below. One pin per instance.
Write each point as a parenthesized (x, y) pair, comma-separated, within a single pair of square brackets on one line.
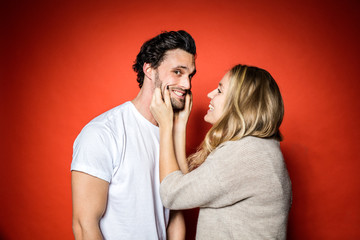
[(115, 167)]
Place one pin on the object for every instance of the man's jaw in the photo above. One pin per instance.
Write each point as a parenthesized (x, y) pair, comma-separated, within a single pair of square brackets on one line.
[(177, 103), (177, 96)]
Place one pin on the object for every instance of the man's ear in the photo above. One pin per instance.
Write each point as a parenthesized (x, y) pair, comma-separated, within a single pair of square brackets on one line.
[(148, 70)]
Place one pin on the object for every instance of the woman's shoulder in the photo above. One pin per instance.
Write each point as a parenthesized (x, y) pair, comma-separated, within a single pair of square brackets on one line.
[(251, 143), (248, 149)]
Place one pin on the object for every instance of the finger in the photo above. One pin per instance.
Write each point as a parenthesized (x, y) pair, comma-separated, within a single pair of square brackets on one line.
[(167, 96), (188, 100), (158, 95), (153, 101)]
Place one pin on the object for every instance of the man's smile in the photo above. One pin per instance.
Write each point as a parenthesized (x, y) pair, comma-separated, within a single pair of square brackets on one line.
[(179, 92)]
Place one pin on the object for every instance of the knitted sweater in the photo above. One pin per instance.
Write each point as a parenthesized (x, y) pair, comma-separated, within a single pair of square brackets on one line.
[(243, 190)]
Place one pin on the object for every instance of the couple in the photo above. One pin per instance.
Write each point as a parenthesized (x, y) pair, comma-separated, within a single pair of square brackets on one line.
[(237, 177)]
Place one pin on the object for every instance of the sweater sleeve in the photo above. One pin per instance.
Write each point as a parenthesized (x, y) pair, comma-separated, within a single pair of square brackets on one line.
[(232, 173)]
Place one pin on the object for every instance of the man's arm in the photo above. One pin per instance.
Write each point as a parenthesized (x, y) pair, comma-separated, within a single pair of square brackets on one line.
[(89, 197), (176, 229)]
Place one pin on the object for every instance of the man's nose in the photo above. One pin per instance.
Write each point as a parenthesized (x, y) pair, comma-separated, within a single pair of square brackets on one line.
[(186, 82)]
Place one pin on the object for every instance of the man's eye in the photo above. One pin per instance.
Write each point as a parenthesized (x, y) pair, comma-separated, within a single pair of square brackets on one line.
[(177, 72)]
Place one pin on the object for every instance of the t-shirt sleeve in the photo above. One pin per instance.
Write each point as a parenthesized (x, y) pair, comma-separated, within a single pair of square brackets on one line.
[(229, 175), (92, 152)]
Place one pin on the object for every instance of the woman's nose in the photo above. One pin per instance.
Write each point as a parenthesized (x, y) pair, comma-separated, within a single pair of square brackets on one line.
[(211, 94)]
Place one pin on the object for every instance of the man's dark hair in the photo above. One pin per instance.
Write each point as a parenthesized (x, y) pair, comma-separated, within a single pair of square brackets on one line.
[(153, 50)]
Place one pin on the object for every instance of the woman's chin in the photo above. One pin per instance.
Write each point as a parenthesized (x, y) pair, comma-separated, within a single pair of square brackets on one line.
[(208, 119)]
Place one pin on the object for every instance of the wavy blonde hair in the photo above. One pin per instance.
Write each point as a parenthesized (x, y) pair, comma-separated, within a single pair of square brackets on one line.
[(253, 107)]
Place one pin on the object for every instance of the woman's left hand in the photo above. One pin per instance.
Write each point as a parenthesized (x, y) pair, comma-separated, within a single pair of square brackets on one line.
[(182, 116), (161, 109)]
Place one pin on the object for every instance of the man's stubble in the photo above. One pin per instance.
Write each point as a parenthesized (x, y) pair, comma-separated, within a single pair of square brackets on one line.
[(177, 104)]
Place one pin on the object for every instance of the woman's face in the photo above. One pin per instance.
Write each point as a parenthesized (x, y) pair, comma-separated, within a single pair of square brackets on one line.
[(217, 102)]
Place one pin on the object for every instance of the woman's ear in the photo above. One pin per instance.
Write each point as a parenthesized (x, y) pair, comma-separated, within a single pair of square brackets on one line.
[(148, 70)]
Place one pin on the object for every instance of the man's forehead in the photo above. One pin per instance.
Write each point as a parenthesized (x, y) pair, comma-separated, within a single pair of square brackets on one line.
[(180, 59)]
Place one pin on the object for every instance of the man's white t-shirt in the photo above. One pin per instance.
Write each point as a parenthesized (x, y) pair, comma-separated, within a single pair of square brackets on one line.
[(122, 147)]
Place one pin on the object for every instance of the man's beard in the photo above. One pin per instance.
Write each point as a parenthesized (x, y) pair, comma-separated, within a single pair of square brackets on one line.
[(177, 104)]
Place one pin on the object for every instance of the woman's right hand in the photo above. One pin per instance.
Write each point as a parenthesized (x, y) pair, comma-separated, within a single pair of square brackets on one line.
[(161, 109)]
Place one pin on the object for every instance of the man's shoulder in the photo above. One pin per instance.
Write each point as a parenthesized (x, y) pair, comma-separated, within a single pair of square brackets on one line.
[(109, 121), (112, 116), (114, 112)]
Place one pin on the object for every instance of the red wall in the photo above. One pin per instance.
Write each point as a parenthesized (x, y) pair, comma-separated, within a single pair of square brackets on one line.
[(64, 63)]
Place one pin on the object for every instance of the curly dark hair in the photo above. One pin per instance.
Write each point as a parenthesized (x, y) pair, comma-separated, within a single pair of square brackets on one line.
[(153, 50)]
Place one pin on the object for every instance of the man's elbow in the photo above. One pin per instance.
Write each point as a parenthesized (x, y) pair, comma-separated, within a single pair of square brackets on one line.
[(85, 228), (77, 229)]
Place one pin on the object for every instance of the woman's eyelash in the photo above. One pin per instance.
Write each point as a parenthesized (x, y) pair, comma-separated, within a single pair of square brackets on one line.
[(219, 91)]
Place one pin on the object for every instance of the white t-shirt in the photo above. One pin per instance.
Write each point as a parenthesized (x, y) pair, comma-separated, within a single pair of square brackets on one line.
[(122, 147)]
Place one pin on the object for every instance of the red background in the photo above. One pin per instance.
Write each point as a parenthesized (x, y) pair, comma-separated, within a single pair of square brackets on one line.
[(64, 63)]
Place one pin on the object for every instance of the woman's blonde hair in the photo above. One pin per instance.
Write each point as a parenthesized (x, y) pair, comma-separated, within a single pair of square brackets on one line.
[(253, 107)]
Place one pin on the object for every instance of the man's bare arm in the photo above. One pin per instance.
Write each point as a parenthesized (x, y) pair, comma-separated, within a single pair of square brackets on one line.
[(89, 197)]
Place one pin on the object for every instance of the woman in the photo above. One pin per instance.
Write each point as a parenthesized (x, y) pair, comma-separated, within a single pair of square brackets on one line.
[(238, 177)]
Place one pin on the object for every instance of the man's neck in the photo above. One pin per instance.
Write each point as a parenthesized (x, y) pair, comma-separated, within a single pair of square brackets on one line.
[(142, 103)]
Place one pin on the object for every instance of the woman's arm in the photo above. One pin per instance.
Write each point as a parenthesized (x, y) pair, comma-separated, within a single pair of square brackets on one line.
[(176, 229), (233, 172), (172, 149), (163, 113), (172, 132), (179, 133)]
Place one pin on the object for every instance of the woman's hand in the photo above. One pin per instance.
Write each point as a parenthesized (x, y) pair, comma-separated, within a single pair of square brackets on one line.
[(181, 117), (162, 109)]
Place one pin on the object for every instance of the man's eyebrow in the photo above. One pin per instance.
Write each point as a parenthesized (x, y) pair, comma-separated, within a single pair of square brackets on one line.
[(186, 68), (181, 66)]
